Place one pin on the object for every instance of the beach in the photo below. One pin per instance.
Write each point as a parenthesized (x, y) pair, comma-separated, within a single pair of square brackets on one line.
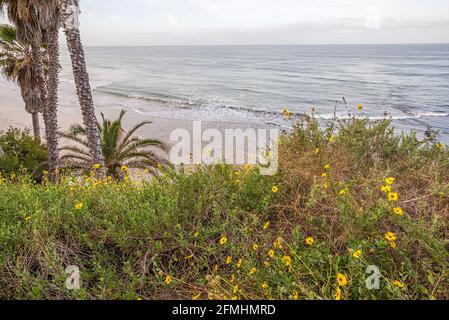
[(13, 114)]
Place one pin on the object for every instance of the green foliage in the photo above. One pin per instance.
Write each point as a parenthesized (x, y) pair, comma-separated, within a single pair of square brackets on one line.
[(203, 232), (120, 148), (20, 152)]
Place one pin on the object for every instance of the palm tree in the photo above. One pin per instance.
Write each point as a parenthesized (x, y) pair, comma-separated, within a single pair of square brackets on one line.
[(16, 63), (119, 148), (69, 10), (33, 20)]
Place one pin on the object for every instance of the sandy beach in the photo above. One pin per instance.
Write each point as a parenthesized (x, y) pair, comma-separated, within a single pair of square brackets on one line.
[(13, 114)]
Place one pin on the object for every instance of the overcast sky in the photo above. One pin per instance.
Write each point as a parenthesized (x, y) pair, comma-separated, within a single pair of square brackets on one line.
[(202, 22)]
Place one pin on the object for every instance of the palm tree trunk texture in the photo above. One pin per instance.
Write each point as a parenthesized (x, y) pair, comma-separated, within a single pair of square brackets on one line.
[(36, 126), (49, 130), (39, 63), (84, 93), (52, 104)]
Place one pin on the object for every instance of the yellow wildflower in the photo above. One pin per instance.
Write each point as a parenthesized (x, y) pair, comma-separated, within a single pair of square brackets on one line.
[(344, 192), (189, 257), (390, 236), (124, 169), (168, 280), (386, 189), (287, 260), (390, 181), (196, 234), (271, 253), (252, 271), (229, 260), (439, 145), (325, 185), (255, 247), (341, 280), (317, 150), (234, 298), (398, 283), (223, 240), (27, 219), (235, 289), (393, 245), (357, 254), (265, 286), (239, 263), (266, 225), (332, 139), (278, 243), (79, 206), (398, 211), (360, 106), (310, 241), (295, 295), (393, 196), (275, 189), (97, 166), (338, 294), (327, 166), (324, 175)]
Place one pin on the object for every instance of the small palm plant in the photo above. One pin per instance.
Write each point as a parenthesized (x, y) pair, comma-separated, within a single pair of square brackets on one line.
[(120, 149)]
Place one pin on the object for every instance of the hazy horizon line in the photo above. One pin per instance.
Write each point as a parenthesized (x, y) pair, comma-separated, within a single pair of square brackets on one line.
[(266, 45)]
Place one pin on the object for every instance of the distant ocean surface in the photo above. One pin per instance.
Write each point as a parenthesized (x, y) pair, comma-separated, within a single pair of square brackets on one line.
[(250, 84)]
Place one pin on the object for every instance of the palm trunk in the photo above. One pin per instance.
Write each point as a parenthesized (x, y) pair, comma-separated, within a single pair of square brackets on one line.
[(36, 126), (50, 131), (81, 76), (52, 106), (39, 64)]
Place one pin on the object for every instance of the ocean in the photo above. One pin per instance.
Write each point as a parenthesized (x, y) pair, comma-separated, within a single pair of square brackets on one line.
[(251, 84)]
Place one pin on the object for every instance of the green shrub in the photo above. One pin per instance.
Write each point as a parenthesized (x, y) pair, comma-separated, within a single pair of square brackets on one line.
[(20, 152), (225, 232)]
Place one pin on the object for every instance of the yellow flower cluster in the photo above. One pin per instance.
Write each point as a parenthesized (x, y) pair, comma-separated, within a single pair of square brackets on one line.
[(342, 281), (392, 196), (287, 114), (391, 238)]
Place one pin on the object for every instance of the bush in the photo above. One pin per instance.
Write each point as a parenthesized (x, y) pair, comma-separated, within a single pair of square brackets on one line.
[(20, 152), (224, 232)]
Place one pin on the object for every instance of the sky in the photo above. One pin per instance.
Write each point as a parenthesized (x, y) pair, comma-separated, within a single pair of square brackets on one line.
[(217, 22)]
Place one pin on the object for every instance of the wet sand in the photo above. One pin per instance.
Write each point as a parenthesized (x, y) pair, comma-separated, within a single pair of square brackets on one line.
[(12, 113)]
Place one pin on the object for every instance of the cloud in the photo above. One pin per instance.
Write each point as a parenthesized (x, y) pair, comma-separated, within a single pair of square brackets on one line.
[(264, 21)]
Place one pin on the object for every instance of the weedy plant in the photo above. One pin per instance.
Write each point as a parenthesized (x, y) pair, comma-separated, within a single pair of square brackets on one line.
[(347, 196)]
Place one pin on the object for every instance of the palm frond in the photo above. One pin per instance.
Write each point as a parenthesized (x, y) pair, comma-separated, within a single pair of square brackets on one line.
[(75, 150), (144, 143), (74, 138), (132, 132)]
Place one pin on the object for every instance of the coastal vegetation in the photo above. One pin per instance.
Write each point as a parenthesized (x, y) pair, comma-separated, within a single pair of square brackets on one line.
[(120, 149), (350, 197), (37, 25)]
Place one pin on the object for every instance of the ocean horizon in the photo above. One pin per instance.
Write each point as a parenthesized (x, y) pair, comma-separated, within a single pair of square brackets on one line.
[(252, 83)]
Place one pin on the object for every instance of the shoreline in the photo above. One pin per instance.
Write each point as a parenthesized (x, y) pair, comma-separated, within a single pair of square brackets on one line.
[(13, 114)]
